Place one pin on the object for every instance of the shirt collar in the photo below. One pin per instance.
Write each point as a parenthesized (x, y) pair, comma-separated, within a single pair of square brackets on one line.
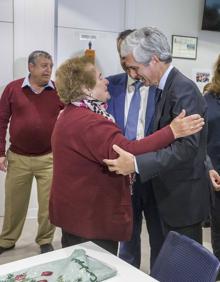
[(26, 83), (164, 78)]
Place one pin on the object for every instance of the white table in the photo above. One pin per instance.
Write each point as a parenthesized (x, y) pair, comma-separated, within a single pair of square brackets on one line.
[(126, 272)]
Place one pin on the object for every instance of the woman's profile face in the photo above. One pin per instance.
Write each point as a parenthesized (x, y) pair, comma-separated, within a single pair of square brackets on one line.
[(100, 91)]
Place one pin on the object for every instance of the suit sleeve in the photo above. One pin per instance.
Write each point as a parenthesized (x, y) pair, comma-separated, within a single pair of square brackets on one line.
[(183, 151), (101, 134)]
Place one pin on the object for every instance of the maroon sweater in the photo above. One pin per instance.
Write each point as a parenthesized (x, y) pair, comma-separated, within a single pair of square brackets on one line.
[(86, 199), (32, 118)]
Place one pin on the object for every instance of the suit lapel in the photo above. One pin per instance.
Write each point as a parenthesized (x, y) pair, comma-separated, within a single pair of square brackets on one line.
[(149, 110), (119, 102), (164, 94), (159, 109)]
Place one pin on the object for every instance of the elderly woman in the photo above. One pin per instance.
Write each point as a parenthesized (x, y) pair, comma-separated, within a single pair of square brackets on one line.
[(87, 201)]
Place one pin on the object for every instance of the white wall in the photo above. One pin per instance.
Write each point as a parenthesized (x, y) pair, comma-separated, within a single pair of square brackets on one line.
[(94, 15), (101, 19), (34, 23), (6, 46), (173, 17), (6, 65), (69, 44), (177, 17)]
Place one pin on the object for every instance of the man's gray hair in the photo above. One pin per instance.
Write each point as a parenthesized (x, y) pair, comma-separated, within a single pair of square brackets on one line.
[(146, 42), (38, 53)]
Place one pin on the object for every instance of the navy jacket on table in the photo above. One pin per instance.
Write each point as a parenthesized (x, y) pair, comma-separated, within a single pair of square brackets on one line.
[(143, 199)]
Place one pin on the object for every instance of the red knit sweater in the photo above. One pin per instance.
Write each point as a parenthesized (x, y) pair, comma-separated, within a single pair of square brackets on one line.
[(32, 118), (86, 199)]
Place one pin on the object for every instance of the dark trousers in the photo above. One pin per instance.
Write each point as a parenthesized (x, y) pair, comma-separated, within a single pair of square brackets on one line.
[(143, 203), (215, 225), (70, 240), (192, 231)]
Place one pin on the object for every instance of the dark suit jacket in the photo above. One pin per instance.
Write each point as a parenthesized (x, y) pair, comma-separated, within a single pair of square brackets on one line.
[(213, 102), (116, 105), (179, 175)]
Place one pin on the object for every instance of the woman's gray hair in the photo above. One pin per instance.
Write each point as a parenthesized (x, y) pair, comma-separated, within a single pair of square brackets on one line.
[(146, 42)]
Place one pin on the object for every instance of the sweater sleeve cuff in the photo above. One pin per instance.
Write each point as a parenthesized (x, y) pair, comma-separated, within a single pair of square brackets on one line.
[(169, 133)]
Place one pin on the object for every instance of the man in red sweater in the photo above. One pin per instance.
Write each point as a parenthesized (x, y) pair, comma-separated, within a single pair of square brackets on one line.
[(32, 105)]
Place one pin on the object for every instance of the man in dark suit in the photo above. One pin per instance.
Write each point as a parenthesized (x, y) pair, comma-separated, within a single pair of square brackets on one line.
[(121, 88), (178, 172)]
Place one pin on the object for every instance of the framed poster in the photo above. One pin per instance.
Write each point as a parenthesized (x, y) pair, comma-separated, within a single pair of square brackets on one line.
[(202, 77), (184, 47)]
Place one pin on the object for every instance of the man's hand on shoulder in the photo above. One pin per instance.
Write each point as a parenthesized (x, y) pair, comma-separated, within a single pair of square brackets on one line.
[(3, 164), (124, 164)]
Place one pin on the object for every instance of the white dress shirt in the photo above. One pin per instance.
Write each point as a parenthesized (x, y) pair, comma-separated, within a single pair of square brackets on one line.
[(143, 106)]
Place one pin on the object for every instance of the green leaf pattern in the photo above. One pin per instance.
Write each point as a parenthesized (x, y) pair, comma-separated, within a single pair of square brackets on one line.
[(79, 267)]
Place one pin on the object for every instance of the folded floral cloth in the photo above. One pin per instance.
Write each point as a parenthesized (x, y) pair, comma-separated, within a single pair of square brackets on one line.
[(79, 267)]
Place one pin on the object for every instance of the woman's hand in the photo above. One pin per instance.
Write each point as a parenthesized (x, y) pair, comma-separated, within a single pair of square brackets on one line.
[(184, 125), (215, 179)]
